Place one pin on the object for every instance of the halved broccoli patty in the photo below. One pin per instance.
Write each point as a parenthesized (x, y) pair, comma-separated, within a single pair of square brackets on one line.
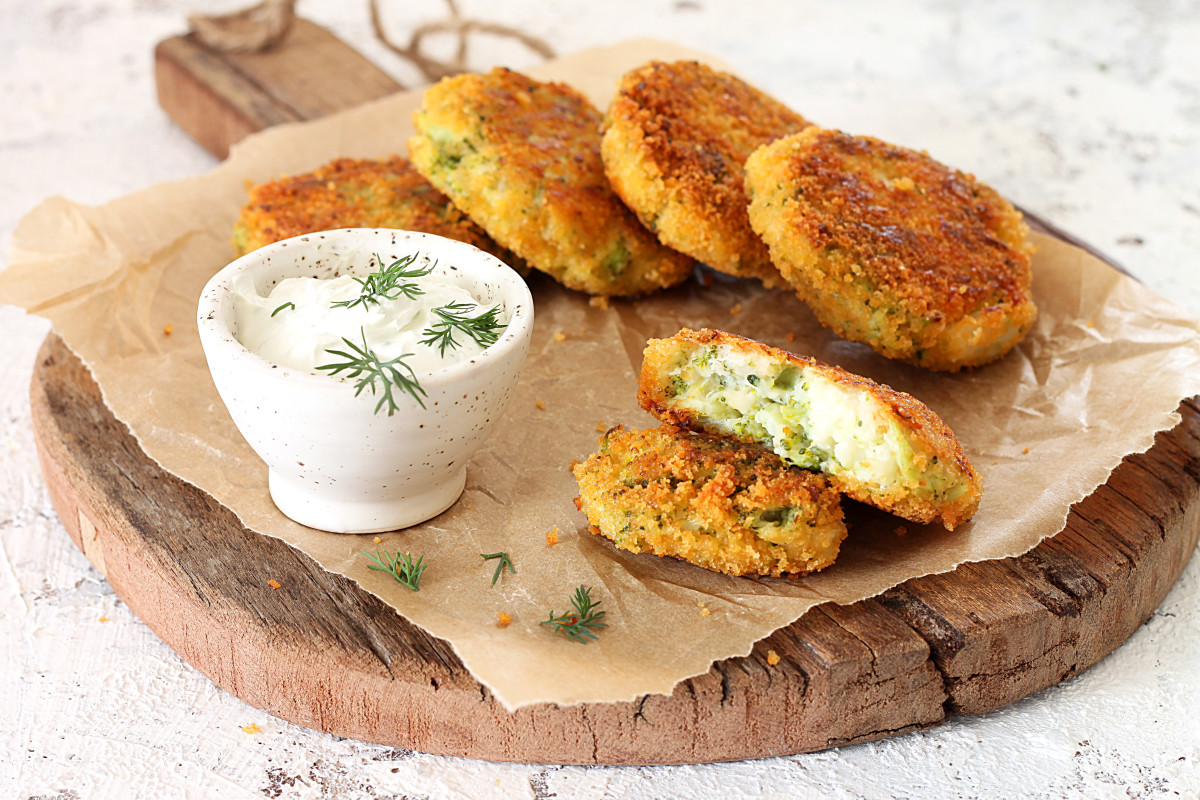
[(877, 445), (715, 502)]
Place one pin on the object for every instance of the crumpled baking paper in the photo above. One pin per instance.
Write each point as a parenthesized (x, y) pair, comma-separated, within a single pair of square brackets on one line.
[(1104, 369)]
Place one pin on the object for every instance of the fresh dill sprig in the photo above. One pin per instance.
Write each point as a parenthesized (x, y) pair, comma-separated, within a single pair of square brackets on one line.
[(580, 624), (387, 283), (390, 374), (401, 567), (505, 561), (484, 327), (282, 307)]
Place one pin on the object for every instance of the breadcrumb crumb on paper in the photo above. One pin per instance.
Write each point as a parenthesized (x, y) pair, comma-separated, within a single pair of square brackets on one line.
[(772, 657), (103, 619), (274, 584), (540, 405), (503, 620), (168, 330), (559, 336), (252, 728), (552, 536), (600, 302)]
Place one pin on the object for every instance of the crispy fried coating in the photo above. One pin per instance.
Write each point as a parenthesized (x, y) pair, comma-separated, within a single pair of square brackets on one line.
[(676, 138), (355, 193), (522, 159), (891, 248), (717, 503), (877, 445)]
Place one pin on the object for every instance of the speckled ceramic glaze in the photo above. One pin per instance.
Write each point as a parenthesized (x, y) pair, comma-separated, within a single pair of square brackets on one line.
[(335, 464)]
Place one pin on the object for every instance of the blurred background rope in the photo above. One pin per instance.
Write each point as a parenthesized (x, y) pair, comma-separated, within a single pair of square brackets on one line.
[(267, 24)]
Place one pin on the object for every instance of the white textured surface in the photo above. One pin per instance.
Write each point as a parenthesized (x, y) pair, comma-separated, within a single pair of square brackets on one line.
[(1088, 114)]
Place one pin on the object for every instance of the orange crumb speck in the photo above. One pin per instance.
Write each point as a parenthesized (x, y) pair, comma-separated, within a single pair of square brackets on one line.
[(600, 302), (1026, 450), (559, 336), (274, 584), (378, 540), (736, 309), (772, 657), (168, 330), (995, 461), (502, 619), (552, 535), (1091, 324), (791, 337), (901, 530), (601, 427), (251, 728), (103, 619), (540, 405)]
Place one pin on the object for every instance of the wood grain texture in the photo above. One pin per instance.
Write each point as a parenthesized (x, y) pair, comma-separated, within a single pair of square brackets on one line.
[(321, 652), (220, 98)]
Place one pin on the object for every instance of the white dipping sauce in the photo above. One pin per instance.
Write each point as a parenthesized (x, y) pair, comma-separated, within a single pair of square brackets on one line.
[(300, 337)]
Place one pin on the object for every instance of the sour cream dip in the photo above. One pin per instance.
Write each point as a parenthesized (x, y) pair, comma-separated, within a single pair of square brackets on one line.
[(302, 319), (357, 442)]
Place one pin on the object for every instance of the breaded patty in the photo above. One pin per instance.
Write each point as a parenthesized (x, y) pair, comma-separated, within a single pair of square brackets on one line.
[(717, 503), (355, 193), (890, 248), (677, 136), (522, 159), (877, 445)]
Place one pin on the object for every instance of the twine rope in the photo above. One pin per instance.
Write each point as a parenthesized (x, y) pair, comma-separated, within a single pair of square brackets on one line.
[(266, 25)]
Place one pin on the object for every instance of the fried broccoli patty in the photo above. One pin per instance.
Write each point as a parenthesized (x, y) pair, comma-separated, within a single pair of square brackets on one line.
[(717, 503), (522, 159), (875, 444), (355, 193), (676, 138), (891, 248)]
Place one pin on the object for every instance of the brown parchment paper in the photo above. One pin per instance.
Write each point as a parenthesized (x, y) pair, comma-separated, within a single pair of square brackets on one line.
[(1105, 368)]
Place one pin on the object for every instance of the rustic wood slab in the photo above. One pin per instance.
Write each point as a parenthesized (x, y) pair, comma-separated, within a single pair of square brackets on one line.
[(325, 654)]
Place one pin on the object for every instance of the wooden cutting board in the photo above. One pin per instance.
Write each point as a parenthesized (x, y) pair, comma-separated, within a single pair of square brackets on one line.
[(321, 652)]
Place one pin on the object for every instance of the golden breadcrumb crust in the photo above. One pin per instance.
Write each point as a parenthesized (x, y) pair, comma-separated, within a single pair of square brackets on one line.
[(936, 452), (522, 159), (716, 503), (891, 248), (676, 138), (355, 193)]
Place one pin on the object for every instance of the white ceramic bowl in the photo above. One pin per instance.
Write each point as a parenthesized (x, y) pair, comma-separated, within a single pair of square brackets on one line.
[(335, 464)]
